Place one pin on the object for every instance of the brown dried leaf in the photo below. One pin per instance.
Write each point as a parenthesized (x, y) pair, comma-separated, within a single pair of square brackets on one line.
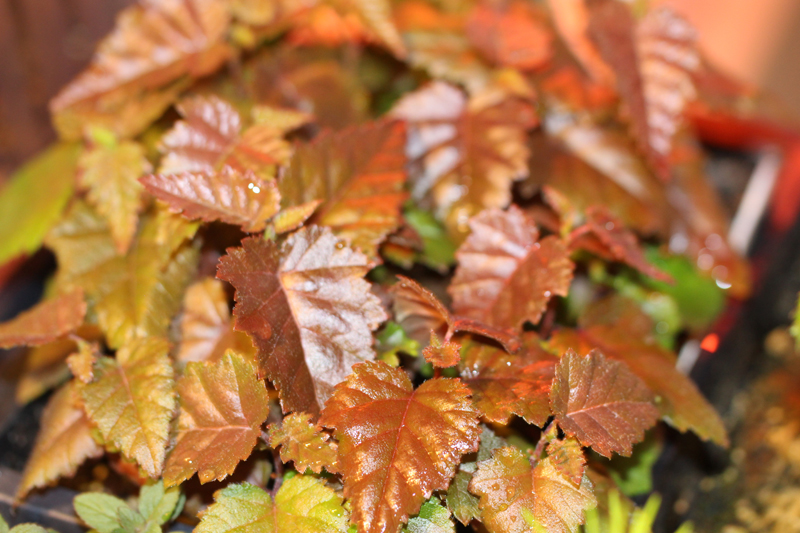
[(514, 493), (223, 405), (601, 402), (505, 276), (237, 198), (308, 310), (111, 173), (678, 399), (510, 35), (440, 354), (153, 44), (132, 400), (206, 326), (360, 174), (64, 442), (304, 443), (504, 385), (46, 321), (396, 444), (466, 153)]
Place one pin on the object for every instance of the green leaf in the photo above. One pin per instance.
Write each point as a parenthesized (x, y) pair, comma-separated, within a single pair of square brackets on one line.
[(99, 511), (633, 475), (26, 214), (3, 525), (438, 250), (30, 528), (391, 340), (433, 517), (795, 329), (159, 505)]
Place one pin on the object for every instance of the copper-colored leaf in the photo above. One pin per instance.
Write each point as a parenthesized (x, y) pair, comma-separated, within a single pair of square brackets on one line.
[(510, 35), (81, 363), (136, 294), (223, 405), (360, 175), (601, 402), (505, 275), (132, 400), (503, 384), (45, 322), (466, 152), (153, 44), (377, 17), (63, 443), (568, 458), (211, 135), (654, 63), (608, 237), (304, 443), (308, 310), (442, 354), (237, 198), (110, 173), (396, 444), (206, 326), (678, 399), (513, 492)]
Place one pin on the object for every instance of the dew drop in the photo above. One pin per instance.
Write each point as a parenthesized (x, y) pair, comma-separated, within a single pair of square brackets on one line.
[(547, 294), (609, 225)]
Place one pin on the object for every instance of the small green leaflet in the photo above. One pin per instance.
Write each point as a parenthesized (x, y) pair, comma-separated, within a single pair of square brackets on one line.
[(108, 514)]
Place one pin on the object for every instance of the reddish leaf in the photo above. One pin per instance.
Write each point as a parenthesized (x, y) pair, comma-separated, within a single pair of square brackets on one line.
[(359, 173), (305, 443), (237, 198), (609, 238), (442, 355), (206, 326), (223, 405), (514, 494), (153, 45), (45, 322), (396, 444), (510, 35), (679, 401), (461, 166), (504, 385), (601, 402), (568, 458), (308, 310), (505, 276)]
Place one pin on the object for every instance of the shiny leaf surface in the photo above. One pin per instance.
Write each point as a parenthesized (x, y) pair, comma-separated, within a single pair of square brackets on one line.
[(304, 443)]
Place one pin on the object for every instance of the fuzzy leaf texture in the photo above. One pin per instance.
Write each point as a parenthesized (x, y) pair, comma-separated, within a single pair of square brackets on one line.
[(512, 491), (135, 72), (303, 503), (223, 405), (505, 274), (308, 309), (359, 173), (238, 198), (63, 444), (46, 321), (304, 443), (396, 444), (132, 400)]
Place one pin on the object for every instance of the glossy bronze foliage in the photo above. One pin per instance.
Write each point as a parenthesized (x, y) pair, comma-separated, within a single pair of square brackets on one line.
[(366, 265)]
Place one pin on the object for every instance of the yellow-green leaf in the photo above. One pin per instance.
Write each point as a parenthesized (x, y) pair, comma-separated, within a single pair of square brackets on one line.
[(132, 401), (433, 517), (304, 443)]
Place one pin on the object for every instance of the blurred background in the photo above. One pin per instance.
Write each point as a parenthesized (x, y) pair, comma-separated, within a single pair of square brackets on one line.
[(44, 43)]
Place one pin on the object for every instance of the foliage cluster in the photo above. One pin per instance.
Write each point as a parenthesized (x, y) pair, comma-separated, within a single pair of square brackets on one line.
[(295, 156)]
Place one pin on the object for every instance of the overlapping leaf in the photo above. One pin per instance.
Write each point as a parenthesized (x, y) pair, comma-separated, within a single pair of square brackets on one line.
[(132, 400), (304, 443), (110, 171), (134, 295), (223, 405), (303, 503), (237, 198), (45, 322), (433, 517), (308, 310), (513, 492), (504, 385), (359, 173), (442, 354), (568, 458), (466, 152), (63, 444), (601, 402), (396, 444), (206, 326), (506, 275), (153, 45)]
